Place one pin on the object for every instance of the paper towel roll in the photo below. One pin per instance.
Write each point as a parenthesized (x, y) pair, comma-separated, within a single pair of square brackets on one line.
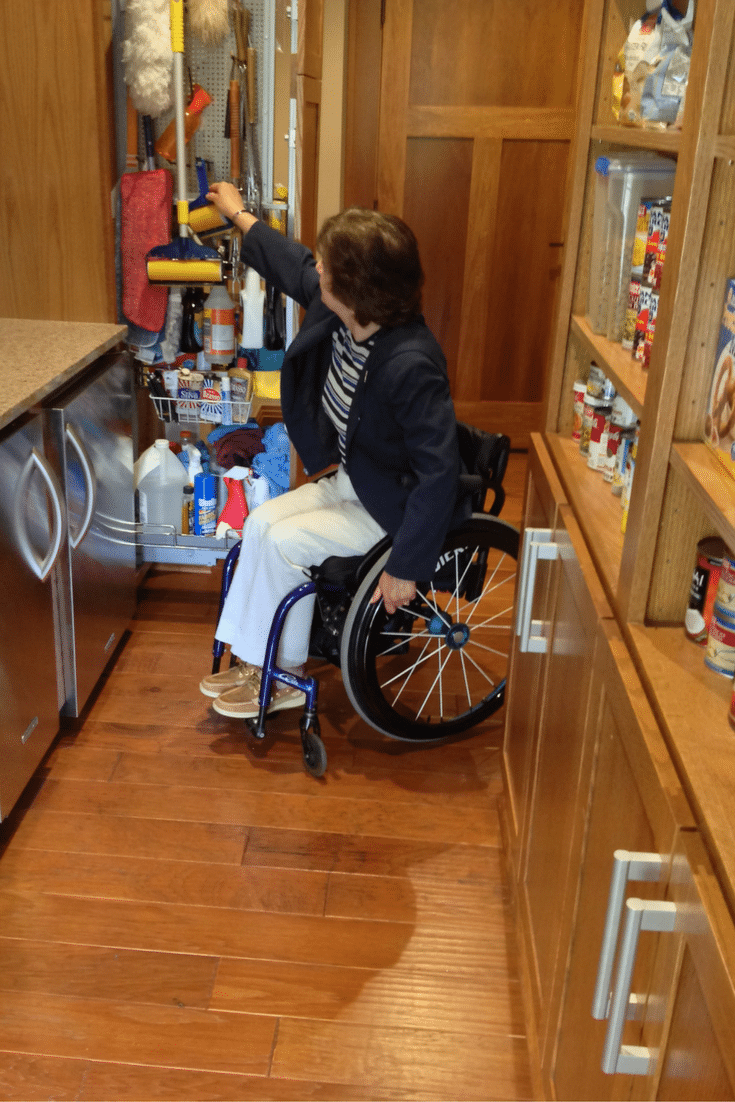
[(252, 299)]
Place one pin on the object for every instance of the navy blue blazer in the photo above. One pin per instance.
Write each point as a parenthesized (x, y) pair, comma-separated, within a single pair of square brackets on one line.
[(401, 449)]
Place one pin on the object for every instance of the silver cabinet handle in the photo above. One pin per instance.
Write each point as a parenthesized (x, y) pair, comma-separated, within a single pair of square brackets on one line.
[(537, 544), (41, 567), (626, 866), (91, 486), (642, 914)]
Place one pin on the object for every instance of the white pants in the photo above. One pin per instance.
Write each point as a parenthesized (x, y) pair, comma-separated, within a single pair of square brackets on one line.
[(281, 537)]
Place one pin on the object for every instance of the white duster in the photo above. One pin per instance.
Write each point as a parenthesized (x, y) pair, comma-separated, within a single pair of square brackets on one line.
[(147, 55)]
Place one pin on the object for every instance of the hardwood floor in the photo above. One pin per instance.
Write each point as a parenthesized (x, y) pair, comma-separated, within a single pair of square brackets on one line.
[(183, 919)]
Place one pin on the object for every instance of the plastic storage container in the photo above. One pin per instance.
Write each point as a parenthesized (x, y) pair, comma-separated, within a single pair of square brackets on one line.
[(620, 184), (160, 478)]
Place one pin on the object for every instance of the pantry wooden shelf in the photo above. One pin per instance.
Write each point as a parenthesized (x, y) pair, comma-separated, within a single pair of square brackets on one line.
[(662, 141), (597, 509), (710, 483), (627, 373), (692, 700)]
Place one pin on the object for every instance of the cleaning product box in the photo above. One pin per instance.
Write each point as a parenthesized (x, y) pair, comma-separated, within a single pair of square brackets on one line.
[(719, 422)]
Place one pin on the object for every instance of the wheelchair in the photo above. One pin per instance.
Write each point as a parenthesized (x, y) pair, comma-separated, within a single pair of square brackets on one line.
[(435, 668)]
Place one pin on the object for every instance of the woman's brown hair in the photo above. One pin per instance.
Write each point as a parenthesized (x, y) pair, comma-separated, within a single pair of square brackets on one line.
[(374, 265)]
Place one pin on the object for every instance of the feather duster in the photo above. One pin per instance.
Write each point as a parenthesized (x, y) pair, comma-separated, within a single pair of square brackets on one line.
[(147, 56), (208, 20)]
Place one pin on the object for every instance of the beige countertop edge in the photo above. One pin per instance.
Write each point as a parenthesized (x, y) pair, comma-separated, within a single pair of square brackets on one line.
[(38, 358)]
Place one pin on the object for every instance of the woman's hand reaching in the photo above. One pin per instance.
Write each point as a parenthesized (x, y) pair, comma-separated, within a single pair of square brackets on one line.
[(396, 592), (228, 201)]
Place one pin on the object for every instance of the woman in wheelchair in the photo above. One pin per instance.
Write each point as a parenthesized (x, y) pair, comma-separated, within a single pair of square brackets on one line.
[(364, 387)]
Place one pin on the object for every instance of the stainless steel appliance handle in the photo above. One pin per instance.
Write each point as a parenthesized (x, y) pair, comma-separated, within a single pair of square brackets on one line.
[(91, 486), (41, 567)]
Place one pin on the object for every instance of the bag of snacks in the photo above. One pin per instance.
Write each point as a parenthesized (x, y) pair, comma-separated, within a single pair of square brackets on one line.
[(652, 69)]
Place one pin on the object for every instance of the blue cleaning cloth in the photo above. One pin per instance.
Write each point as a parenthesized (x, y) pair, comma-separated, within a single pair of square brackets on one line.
[(274, 464)]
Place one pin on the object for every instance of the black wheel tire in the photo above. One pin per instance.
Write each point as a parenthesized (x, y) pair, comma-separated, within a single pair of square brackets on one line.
[(314, 753), (458, 656)]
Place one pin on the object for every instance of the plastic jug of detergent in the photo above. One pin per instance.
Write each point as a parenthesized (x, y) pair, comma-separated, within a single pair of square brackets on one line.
[(160, 478)]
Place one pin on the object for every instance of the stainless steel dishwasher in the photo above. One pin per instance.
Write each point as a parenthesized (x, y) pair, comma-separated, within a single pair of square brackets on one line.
[(91, 448), (32, 532)]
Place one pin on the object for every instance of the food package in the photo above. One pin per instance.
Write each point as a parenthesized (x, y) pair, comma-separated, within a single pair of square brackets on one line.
[(652, 69), (719, 422)]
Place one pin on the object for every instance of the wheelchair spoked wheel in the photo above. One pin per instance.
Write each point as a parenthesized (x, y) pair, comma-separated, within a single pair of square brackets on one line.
[(437, 667)]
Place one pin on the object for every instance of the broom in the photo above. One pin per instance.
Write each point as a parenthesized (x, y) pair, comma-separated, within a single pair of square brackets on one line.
[(183, 261)]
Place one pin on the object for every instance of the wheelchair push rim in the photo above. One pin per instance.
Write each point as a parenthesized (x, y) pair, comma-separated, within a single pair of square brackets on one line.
[(438, 667)]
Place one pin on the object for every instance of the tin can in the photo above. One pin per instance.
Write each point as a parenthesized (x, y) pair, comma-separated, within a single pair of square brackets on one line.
[(580, 389), (724, 604), (597, 447), (591, 405), (703, 590), (731, 713), (720, 653)]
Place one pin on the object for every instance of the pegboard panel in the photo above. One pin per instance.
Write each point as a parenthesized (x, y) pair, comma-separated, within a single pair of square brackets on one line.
[(211, 67)]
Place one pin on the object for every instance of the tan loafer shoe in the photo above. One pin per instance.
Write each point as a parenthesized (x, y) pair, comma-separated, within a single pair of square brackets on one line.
[(236, 677), (242, 702)]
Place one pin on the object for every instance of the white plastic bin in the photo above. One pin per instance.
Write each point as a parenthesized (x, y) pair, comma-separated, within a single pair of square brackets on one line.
[(620, 184)]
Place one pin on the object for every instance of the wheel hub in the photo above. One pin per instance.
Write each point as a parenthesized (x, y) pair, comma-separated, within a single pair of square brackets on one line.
[(457, 636)]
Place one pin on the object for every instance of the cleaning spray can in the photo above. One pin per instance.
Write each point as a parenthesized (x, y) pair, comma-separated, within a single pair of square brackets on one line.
[(205, 505), (219, 327)]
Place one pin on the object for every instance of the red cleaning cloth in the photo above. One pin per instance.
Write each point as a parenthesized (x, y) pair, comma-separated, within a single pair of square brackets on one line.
[(146, 199)]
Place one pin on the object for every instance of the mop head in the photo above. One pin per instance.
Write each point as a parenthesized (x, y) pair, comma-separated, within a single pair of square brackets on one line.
[(147, 56), (183, 261), (208, 20)]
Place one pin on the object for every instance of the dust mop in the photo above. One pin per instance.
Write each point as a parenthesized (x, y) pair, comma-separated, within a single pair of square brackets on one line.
[(183, 261)]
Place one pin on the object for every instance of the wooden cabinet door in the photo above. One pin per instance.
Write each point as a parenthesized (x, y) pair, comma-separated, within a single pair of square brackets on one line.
[(543, 496), (557, 800), (690, 1023), (475, 120), (636, 805), (58, 256)]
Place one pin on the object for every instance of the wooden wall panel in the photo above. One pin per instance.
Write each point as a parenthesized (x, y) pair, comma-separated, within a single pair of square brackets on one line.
[(494, 54), (438, 178), (475, 120), (364, 42), (525, 268)]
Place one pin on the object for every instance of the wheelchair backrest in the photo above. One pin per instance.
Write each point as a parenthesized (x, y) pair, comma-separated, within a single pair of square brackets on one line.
[(485, 457)]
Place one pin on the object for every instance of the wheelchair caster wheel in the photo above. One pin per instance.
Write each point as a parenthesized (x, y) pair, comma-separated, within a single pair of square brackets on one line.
[(315, 754)]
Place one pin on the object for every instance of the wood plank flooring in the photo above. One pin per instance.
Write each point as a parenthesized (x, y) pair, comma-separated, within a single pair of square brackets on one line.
[(182, 918)]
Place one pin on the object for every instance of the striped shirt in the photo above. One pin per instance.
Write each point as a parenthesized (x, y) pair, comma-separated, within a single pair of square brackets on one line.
[(348, 361)]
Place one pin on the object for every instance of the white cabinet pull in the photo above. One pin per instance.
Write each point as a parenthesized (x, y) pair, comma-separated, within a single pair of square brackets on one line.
[(537, 544), (642, 914), (626, 866)]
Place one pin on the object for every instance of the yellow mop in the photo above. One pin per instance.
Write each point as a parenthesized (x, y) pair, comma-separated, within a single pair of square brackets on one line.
[(183, 261)]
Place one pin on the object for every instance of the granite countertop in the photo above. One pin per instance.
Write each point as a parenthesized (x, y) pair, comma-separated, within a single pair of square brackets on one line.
[(39, 357)]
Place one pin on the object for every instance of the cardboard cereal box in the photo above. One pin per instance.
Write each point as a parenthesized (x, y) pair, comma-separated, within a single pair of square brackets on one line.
[(719, 422)]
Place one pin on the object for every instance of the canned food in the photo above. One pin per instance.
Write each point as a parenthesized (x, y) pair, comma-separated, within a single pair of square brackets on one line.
[(725, 595), (591, 405), (597, 447), (703, 590), (720, 652)]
